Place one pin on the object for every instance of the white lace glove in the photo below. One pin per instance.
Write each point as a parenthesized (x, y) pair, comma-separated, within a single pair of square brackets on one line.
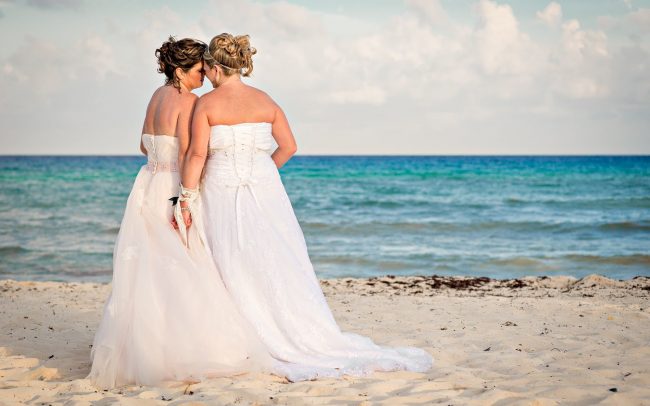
[(189, 196)]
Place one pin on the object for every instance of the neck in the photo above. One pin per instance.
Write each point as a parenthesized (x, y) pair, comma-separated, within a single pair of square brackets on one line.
[(229, 80), (184, 88)]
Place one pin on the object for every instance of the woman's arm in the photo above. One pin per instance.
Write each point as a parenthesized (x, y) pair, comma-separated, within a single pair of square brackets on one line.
[(198, 148), (142, 148), (148, 113), (284, 137), (193, 162), (183, 127)]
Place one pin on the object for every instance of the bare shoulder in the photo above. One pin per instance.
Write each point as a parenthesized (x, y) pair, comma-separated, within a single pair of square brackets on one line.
[(188, 101), (164, 92), (158, 91), (273, 105), (156, 95), (189, 97), (270, 105), (261, 94), (207, 96), (204, 101)]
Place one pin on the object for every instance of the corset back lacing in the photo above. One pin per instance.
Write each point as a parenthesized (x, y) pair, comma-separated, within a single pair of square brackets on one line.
[(243, 183)]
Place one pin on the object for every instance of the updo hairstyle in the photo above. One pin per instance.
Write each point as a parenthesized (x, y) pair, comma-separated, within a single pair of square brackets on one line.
[(233, 53), (183, 54)]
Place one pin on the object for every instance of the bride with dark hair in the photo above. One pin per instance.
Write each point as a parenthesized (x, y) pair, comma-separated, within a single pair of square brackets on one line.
[(169, 316)]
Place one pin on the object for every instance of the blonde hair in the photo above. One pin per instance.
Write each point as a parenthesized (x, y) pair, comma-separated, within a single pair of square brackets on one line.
[(233, 53)]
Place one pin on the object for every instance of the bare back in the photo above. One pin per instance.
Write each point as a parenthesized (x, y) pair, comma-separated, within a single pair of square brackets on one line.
[(166, 110), (238, 103), (230, 104), (170, 113)]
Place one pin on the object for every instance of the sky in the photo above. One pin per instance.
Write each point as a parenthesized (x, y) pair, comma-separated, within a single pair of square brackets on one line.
[(363, 77)]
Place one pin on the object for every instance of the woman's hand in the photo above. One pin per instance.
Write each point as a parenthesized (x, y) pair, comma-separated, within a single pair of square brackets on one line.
[(187, 218)]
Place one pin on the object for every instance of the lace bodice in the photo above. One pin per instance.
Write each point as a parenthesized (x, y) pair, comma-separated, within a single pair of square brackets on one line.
[(239, 157), (162, 152), (258, 134), (240, 153)]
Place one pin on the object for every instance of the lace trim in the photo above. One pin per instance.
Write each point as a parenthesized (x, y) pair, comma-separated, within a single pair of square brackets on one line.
[(228, 149), (155, 166), (189, 196)]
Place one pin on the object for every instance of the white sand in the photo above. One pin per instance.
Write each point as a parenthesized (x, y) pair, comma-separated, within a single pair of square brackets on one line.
[(532, 342)]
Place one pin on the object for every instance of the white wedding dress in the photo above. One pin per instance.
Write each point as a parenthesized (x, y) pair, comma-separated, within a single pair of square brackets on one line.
[(260, 251), (169, 316)]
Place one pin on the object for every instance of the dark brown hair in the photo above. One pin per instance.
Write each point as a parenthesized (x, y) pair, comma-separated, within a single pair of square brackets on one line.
[(183, 54)]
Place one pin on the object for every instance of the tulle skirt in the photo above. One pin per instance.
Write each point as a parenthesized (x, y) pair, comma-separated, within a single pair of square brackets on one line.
[(260, 250), (169, 316)]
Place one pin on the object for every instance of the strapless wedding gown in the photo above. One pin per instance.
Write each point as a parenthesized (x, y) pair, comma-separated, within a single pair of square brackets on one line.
[(261, 254), (169, 316)]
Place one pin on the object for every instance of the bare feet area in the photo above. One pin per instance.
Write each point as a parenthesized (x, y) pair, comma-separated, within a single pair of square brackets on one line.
[(530, 341)]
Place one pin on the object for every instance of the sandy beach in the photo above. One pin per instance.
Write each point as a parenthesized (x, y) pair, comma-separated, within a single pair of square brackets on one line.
[(530, 341)]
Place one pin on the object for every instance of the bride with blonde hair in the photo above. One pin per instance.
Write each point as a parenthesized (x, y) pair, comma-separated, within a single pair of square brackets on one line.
[(240, 138)]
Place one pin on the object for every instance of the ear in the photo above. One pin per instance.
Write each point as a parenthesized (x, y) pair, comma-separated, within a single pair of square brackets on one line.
[(180, 74)]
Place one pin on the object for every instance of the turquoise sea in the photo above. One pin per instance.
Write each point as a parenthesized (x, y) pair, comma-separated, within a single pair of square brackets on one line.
[(364, 216)]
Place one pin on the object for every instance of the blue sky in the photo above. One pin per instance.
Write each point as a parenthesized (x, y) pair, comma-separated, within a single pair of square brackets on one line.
[(363, 77)]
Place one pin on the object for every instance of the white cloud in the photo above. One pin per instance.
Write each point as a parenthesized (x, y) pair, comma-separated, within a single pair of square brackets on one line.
[(551, 15), (431, 10), (634, 25), (444, 85), (98, 56), (641, 19), (502, 47), (582, 67), (365, 94), (49, 67), (580, 43)]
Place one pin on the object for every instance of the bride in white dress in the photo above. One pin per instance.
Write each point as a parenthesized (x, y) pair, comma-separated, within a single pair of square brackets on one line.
[(253, 234), (169, 316)]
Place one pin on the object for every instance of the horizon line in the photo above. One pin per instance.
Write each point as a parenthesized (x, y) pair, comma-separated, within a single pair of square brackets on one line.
[(342, 155)]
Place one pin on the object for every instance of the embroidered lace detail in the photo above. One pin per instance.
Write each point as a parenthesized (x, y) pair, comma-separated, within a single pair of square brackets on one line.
[(155, 166)]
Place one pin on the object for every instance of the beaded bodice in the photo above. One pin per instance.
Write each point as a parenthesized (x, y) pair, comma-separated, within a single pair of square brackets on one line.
[(162, 152), (240, 153), (239, 157)]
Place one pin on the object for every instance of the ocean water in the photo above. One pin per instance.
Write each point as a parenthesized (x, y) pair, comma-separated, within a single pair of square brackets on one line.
[(500, 217)]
